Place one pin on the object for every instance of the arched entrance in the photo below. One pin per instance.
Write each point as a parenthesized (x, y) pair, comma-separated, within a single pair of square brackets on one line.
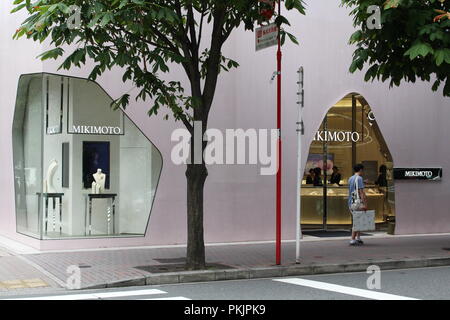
[(349, 134)]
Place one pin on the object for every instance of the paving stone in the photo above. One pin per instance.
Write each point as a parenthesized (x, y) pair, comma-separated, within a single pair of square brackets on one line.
[(438, 262), (268, 272), (237, 274), (197, 276), (162, 279), (297, 270), (127, 283), (356, 267), (37, 285), (331, 268)]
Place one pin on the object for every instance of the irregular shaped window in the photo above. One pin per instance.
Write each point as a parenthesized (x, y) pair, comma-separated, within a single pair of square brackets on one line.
[(81, 169)]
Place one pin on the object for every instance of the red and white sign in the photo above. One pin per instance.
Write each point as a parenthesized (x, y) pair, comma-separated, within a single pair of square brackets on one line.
[(266, 36)]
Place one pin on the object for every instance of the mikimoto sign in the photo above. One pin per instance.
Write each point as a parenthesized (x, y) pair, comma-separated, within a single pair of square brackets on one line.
[(431, 174), (100, 130), (266, 36)]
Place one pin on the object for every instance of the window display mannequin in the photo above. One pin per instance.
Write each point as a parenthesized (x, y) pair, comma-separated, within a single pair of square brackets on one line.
[(48, 182), (98, 186)]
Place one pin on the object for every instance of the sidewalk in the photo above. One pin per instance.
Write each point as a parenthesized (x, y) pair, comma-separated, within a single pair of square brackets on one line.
[(15, 274), (138, 266)]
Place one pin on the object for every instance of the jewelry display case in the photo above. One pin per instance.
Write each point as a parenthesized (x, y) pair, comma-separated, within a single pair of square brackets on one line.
[(337, 204)]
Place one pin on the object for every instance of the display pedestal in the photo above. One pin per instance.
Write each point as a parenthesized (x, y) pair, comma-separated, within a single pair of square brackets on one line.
[(52, 196), (88, 212)]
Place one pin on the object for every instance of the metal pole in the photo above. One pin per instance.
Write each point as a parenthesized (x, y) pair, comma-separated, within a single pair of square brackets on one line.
[(300, 133), (353, 129), (325, 185), (278, 202)]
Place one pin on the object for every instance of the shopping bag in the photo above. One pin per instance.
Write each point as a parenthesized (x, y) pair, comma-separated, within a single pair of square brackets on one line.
[(364, 220)]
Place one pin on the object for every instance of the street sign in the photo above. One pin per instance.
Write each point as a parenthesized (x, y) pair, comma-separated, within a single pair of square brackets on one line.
[(266, 36)]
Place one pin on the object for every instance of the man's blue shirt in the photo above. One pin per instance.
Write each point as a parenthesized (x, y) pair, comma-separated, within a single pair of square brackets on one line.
[(352, 187)]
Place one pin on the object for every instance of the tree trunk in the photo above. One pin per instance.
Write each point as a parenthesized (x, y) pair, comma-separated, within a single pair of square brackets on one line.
[(196, 176)]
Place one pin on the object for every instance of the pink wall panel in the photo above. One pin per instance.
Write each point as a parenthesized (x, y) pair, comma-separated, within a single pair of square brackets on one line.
[(240, 204)]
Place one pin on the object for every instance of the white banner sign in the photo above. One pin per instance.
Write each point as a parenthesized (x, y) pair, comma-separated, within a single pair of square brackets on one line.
[(266, 36)]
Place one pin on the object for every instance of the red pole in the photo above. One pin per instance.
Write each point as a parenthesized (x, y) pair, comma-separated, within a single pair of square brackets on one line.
[(278, 205)]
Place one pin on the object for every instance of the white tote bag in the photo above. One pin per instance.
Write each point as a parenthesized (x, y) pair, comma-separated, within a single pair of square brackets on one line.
[(357, 202), (364, 220)]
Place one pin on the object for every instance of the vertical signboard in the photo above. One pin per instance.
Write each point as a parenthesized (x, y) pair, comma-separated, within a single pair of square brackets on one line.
[(266, 36)]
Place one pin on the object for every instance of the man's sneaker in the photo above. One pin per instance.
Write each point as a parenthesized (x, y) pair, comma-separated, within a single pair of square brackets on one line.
[(359, 241), (354, 243)]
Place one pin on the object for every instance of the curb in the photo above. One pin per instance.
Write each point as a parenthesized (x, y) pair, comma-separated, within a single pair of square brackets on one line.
[(271, 272)]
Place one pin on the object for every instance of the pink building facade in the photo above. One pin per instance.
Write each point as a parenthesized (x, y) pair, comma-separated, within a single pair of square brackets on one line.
[(239, 202)]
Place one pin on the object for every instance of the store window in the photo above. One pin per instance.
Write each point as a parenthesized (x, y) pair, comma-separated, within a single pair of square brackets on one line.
[(349, 134), (81, 168)]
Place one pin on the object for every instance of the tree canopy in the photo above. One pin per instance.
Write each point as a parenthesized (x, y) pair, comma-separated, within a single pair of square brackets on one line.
[(413, 42), (144, 37)]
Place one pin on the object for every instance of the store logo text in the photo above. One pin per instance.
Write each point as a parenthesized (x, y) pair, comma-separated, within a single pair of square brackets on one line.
[(337, 136), (427, 174), (96, 130)]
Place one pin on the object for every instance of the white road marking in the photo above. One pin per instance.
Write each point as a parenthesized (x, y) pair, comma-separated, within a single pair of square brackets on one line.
[(170, 298), (99, 295), (343, 289), (133, 293)]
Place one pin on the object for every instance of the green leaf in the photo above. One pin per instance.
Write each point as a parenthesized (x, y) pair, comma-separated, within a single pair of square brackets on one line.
[(51, 54), (419, 49), (19, 7), (412, 45)]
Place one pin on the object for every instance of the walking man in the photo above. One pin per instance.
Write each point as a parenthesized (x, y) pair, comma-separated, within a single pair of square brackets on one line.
[(356, 185)]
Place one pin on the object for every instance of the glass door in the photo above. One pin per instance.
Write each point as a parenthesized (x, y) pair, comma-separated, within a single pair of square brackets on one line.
[(348, 135), (312, 192)]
